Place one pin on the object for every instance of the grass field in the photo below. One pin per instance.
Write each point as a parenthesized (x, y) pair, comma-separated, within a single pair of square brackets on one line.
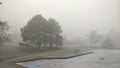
[(13, 50), (13, 53)]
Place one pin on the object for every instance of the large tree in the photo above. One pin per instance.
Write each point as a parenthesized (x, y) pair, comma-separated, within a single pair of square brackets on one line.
[(4, 27), (0, 2), (3, 31), (42, 32), (54, 30)]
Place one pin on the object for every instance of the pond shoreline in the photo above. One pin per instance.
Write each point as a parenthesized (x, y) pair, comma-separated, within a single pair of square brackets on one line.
[(53, 54)]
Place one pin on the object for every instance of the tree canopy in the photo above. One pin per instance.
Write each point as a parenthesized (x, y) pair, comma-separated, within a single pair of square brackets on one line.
[(3, 31), (0, 3), (40, 31)]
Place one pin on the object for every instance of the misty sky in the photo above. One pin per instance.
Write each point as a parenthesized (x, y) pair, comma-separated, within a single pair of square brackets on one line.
[(77, 17)]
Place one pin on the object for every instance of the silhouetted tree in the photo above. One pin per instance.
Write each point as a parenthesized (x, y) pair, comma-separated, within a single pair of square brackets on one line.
[(42, 32), (94, 38), (108, 43), (55, 31), (3, 31), (0, 2)]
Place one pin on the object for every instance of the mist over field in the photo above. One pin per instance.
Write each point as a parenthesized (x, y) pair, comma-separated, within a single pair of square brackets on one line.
[(78, 18), (78, 33)]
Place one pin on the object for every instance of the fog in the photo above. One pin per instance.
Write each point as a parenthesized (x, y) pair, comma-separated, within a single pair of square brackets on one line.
[(77, 17)]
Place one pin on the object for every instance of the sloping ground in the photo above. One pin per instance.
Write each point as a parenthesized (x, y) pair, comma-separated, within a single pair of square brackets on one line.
[(13, 51), (55, 54), (10, 65), (104, 58), (10, 62), (59, 53)]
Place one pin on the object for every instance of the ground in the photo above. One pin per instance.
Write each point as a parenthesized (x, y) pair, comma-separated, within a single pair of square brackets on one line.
[(60, 57), (12, 53), (102, 58)]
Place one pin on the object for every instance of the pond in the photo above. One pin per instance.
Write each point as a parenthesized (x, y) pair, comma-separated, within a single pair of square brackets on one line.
[(100, 59)]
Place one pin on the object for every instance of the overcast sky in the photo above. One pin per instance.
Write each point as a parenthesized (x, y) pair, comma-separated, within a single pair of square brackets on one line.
[(77, 17)]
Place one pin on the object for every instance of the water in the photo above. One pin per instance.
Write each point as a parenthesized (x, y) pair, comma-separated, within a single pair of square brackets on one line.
[(99, 59)]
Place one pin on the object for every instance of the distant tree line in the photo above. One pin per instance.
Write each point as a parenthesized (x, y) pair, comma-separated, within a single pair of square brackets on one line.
[(100, 41), (41, 32)]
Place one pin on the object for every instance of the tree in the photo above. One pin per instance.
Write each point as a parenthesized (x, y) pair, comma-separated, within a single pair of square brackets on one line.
[(108, 43), (55, 31), (0, 3), (3, 31), (94, 38), (42, 32)]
